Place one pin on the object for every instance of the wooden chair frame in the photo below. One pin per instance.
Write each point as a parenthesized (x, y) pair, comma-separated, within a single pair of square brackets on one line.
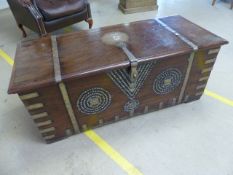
[(214, 1)]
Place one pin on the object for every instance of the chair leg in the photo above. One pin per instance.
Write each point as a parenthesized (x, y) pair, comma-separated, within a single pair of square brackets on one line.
[(22, 29), (213, 2), (90, 22)]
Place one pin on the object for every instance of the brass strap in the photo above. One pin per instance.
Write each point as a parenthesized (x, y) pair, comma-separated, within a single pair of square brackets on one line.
[(186, 40), (58, 79), (56, 61), (69, 107), (190, 63), (133, 65), (190, 59)]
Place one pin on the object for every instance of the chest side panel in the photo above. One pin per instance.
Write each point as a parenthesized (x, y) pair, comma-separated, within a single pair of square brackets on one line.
[(202, 66), (48, 111)]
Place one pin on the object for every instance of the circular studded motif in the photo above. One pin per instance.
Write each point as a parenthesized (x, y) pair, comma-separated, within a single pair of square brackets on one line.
[(131, 105), (167, 81), (93, 101)]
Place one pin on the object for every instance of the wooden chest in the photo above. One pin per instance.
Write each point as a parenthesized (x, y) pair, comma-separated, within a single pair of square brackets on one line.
[(82, 80)]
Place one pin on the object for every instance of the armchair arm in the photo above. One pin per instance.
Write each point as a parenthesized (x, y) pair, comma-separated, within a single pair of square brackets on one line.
[(26, 13), (37, 16)]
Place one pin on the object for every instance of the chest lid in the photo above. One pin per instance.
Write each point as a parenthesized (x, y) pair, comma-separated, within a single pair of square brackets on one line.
[(83, 53)]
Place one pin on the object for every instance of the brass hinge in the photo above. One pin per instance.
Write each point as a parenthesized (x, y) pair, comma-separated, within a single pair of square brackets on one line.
[(133, 65)]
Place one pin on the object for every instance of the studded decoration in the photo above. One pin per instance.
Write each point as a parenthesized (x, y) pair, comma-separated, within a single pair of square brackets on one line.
[(167, 81), (131, 105), (93, 101), (121, 78)]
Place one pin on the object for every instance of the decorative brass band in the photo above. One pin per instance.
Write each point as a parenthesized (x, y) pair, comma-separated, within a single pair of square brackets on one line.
[(190, 63), (35, 106), (69, 107), (56, 61), (58, 79), (186, 40), (29, 96), (191, 58)]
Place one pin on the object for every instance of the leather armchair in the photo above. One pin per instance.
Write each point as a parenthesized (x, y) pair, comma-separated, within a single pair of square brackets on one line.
[(45, 16)]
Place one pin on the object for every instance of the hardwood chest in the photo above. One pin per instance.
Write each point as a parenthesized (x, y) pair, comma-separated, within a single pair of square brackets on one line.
[(86, 79)]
